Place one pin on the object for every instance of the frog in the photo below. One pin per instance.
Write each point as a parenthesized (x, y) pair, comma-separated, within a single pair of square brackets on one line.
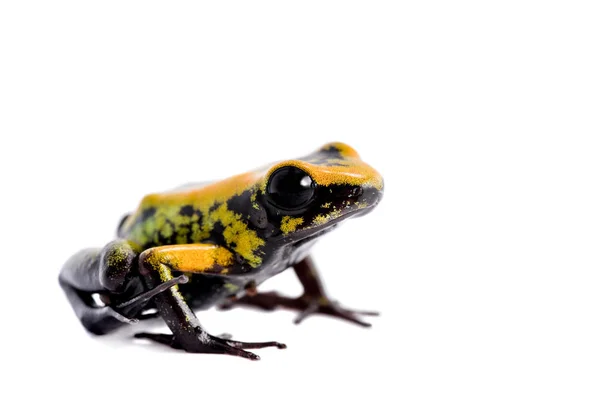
[(212, 244)]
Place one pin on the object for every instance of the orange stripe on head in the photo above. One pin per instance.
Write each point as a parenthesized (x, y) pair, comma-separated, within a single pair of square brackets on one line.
[(335, 164)]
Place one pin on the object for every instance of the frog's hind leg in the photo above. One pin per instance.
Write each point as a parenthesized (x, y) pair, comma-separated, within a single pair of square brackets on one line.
[(108, 272), (80, 279)]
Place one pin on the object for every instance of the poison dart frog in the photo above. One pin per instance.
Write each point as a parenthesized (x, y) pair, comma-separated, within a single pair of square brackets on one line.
[(212, 244)]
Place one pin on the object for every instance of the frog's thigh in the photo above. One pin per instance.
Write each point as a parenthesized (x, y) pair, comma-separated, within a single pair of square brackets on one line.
[(81, 271), (79, 279), (194, 258)]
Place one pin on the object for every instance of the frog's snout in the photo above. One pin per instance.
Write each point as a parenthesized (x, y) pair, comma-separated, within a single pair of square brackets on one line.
[(364, 196), (370, 195)]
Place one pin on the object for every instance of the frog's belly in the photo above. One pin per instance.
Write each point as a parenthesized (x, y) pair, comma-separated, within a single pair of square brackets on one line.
[(205, 291)]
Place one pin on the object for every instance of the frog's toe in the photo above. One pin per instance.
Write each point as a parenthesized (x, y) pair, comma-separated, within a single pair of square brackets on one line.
[(368, 313), (117, 315), (162, 338), (334, 309), (254, 345), (336, 306), (212, 344), (226, 340), (136, 305), (101, 320)]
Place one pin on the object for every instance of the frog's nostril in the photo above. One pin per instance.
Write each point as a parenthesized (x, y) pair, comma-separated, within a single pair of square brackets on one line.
[(356, 192), (371, 195)]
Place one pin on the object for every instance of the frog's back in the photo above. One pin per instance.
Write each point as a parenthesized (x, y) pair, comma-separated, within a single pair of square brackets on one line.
[(192, 213)]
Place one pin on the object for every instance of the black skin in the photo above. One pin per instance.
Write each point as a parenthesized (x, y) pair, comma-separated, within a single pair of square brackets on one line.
[(132, 288), (314, 300)]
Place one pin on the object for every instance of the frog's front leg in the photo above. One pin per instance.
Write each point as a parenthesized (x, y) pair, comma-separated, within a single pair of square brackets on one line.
[(313, 301), (156, 266)]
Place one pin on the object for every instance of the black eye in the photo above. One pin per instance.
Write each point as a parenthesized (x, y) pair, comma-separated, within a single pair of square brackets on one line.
[(290, 188)]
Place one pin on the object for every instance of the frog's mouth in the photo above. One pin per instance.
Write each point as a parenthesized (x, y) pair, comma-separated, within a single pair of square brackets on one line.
[(317, 228)]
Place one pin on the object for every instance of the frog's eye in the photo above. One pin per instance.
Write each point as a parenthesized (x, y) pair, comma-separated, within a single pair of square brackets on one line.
[(290, 188)]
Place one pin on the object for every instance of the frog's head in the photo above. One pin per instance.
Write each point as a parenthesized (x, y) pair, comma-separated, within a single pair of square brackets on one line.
[(307, 196)]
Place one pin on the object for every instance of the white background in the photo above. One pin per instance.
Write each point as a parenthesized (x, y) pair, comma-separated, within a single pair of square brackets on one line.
[(483, 256)]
